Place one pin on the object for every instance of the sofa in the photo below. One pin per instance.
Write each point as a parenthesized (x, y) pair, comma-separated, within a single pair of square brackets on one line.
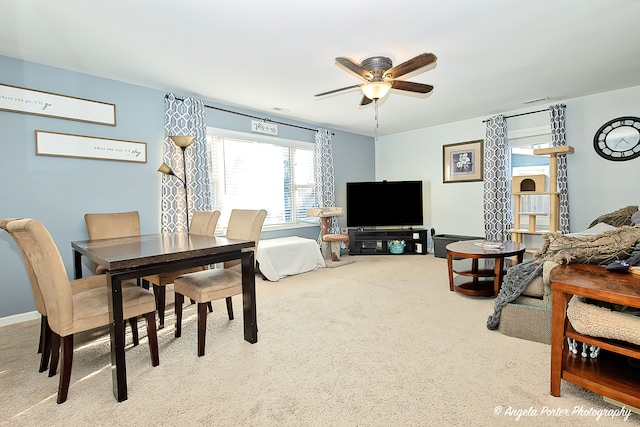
[(611, 236)]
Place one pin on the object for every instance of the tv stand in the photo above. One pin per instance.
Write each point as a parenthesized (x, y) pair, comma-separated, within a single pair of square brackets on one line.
[(376, 241)]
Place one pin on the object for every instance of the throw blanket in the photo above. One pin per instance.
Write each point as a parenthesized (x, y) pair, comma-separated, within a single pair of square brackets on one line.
[(514, 283), (602, 248)]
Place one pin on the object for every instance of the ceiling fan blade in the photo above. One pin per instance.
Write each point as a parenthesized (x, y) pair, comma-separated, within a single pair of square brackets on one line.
[(337, 90), (410, 66), (411, 86), (365, 100), (352, 66)]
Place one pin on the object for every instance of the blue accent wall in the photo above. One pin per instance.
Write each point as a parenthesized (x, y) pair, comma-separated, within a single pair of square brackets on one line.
[(59, 191)]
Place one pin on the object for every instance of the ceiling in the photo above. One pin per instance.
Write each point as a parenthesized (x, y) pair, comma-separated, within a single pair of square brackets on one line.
[(273, 56)]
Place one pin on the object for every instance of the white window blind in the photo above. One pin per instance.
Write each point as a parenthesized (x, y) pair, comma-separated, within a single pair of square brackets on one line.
[(256, 172)]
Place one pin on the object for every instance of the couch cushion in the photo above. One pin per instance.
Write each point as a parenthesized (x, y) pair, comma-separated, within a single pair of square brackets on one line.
[(541, 286)]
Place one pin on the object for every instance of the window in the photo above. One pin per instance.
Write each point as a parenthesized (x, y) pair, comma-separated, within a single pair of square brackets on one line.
[(524, 162), (261, 172)]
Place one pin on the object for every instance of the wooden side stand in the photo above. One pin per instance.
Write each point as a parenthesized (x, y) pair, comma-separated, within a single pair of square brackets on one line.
[(609, 374)]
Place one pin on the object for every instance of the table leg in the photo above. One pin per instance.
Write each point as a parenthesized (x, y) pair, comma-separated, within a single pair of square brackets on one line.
[(117, 330), (77, 265), (474, 269), (249, 298), (498, 273), (450, 266), (558, 319)]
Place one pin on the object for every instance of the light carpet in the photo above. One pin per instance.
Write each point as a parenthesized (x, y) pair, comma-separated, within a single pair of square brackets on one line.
[(380, 342)]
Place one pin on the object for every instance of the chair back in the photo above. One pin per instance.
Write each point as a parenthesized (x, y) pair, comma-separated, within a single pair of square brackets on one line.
[(112, 225), (204, 223), (35, 287), (49, 270), (245, 224)]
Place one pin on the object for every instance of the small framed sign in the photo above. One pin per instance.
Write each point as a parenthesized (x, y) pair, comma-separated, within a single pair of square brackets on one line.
[(31, 101), (264, 127), (89, 147), (462, 162)]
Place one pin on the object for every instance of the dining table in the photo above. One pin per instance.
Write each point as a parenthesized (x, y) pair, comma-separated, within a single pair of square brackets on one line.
[(128, 258)]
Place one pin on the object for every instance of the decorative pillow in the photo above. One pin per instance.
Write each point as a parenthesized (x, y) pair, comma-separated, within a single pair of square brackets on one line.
[(600, 248), (617, 218), (600, 227), (635, 218)]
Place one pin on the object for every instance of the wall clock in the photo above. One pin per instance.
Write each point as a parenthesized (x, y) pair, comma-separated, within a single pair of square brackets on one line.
[(618, 139)]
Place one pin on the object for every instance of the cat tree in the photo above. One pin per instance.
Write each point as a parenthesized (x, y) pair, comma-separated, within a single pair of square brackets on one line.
[(535, 185)]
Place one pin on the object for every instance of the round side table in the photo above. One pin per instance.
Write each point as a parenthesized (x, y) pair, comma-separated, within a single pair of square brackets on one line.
[(480, 282)]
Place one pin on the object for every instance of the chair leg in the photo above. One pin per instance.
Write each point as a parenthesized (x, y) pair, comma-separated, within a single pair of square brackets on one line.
[(144, 283), (229, 308), (210, 307), (46, 347), (202, 327), (43, 326), (134, 330), (153, 337), (65, 369), (178, 310), (55, 353), (160, 294)]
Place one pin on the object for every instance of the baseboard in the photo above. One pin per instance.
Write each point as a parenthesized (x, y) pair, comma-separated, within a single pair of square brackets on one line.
[(19, 318), (620, 404)]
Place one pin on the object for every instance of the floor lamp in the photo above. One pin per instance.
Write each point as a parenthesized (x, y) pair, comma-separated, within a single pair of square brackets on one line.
[(182, 141)]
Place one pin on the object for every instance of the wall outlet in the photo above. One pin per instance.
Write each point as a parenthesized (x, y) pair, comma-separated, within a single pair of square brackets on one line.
[(344, 231)]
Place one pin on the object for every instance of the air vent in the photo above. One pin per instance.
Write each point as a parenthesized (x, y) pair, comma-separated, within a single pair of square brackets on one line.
[(533, 101)]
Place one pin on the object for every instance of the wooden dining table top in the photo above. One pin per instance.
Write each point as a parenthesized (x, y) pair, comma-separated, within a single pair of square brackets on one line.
[(149, 249)]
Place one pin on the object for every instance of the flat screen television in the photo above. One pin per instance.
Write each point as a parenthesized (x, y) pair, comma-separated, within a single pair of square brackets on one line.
[(384, 204)]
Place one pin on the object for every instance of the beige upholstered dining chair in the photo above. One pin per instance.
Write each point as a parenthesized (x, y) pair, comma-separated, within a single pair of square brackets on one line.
[(67, 312), (111, 225), (203, 223), (209, 285), (44, 343)]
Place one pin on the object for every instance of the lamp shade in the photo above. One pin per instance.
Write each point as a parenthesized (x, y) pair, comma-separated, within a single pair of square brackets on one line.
[(375, 90), (182, 141), (165, 169)]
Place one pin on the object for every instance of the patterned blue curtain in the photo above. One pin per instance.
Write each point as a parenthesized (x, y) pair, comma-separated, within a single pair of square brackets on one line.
[(185, 117), (559, 138), (324, 174), (497, 174)]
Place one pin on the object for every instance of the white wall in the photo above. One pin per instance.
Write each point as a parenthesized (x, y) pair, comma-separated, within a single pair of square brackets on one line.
[(596, 185), (418, 155)]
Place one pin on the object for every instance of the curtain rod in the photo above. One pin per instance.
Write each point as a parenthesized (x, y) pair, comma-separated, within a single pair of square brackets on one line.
[(252, 117), (260, 118), (521, 114)]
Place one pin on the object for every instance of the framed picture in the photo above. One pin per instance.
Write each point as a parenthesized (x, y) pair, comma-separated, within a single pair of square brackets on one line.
[(462, 162), (89, 147), (39, 103)]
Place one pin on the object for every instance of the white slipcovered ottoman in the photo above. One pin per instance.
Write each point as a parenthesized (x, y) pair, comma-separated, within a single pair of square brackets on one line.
[(286, 256)]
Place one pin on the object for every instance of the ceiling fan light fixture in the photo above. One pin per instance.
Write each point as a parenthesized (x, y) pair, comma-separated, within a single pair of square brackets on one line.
[(375, 90)]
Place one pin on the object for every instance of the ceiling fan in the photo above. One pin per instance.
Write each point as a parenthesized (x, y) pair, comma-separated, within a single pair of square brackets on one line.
[(380, 75)]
